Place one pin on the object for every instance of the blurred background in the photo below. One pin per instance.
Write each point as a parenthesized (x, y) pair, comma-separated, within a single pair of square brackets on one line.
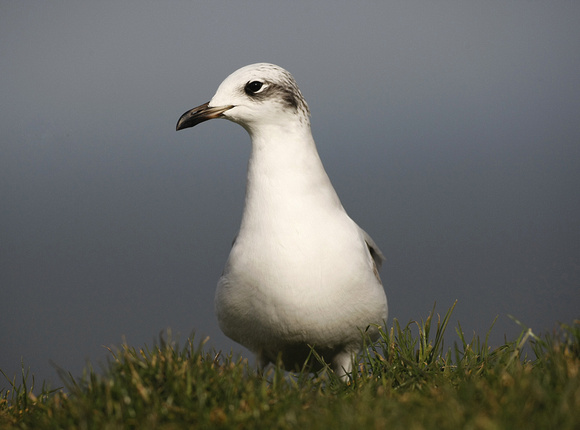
[(451, 131)]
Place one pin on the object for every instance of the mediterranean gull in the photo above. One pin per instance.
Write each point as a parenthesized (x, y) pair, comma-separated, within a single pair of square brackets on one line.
[(301, 273)]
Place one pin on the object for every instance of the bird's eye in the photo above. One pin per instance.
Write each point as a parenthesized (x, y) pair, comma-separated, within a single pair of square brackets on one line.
[(253, 87)]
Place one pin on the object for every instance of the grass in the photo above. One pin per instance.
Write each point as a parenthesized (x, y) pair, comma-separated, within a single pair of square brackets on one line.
[(406, 380)]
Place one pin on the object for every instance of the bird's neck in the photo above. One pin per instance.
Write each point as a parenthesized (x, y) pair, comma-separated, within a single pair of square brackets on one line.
[(286, 177)]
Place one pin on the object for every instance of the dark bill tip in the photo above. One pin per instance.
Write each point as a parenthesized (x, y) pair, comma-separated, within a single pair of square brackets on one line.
[(200, 114)]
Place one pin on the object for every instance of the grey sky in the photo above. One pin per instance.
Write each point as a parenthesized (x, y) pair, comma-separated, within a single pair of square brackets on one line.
[(450, 130)]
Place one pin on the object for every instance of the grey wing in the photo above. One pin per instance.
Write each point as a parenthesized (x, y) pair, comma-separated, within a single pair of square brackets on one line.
[(376, 253)]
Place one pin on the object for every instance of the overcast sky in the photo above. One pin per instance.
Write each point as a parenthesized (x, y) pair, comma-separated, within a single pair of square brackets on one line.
[(450, 130)]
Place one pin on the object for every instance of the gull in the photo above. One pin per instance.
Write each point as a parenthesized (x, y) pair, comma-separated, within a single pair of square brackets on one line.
[(301, 274)]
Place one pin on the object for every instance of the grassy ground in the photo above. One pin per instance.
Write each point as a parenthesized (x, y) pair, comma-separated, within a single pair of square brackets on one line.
[(407, 380)]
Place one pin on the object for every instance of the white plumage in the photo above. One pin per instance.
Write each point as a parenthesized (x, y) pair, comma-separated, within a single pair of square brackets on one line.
[(300, 273)]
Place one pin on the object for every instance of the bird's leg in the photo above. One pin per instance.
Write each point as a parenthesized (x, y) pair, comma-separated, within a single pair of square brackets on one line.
[(342, 364), (261, 361)]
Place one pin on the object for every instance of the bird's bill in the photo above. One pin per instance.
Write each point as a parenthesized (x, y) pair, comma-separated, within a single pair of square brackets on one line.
[(200, 114)]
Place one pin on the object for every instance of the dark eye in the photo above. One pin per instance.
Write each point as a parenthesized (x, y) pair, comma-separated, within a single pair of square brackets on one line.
[(253, 87)]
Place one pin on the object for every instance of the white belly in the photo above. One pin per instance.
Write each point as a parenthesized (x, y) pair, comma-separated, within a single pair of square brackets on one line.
[(314, 284)]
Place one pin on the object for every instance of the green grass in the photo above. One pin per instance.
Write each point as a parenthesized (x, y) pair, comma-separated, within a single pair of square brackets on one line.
[(406, 380)]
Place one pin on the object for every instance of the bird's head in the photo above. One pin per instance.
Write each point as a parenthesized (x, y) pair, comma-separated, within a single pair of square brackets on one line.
[(253, 96)]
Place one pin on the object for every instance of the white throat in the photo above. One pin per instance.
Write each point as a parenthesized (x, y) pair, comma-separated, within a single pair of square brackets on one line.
[(286, 179)]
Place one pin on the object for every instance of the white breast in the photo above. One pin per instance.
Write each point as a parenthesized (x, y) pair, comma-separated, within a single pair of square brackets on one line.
[(300, 270)]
